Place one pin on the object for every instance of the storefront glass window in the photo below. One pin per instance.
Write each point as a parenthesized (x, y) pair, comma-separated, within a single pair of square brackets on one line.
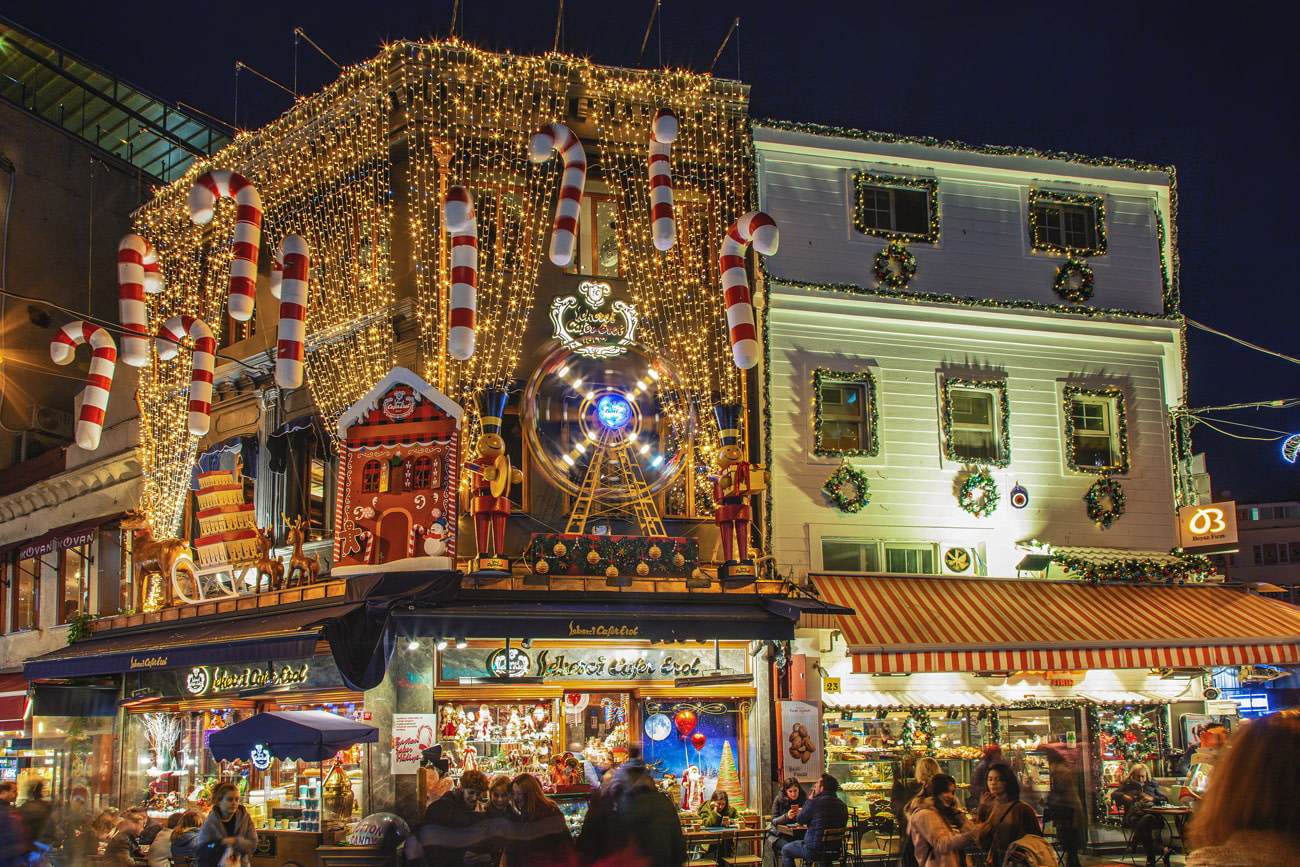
[(75, 760), (699, 742)]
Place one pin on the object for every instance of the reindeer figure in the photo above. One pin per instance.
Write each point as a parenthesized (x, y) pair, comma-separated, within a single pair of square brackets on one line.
[(156, 556), (271, 567), (301, 569)]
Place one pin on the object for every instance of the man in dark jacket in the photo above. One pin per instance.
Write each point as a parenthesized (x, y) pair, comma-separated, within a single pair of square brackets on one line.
[(823, 812), (13, 831), (649, 819)]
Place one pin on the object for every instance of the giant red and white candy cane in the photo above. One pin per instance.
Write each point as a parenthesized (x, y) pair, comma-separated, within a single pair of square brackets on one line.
[(292, 335), (663, 132), (138, 272), (201, 365), (211, 186), (557, 136), (760, 230), (463, 227), (103, 364)]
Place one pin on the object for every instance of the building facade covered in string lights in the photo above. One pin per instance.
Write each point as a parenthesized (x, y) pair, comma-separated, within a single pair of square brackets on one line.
[(302, 291), (975, 362)]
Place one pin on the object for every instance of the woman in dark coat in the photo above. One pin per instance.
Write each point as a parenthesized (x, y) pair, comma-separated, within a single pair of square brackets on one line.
[(1002, 815), (791, 797), (532, 806), (1135, 796), (228, 826)]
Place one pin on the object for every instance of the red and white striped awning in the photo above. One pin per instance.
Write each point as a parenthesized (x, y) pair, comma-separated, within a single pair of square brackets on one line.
[(906, 625)]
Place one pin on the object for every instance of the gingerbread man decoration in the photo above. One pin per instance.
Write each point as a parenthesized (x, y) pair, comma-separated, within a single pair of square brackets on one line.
[(492, 477)]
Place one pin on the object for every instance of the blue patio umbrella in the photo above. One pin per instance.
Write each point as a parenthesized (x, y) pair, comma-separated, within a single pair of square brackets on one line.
[(306, 735)]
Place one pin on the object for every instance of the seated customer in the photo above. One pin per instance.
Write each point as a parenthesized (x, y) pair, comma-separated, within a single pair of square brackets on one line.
[(785, 809), (1136, 796), (823, 812)]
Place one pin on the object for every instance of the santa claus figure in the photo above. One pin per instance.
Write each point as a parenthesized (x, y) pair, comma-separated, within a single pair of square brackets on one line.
[(692, 789)]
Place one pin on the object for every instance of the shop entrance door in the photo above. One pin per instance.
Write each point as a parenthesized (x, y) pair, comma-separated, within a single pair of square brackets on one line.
[(394, 530)]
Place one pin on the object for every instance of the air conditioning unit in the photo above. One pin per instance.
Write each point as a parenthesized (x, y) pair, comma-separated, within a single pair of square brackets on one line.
[(52, 422)]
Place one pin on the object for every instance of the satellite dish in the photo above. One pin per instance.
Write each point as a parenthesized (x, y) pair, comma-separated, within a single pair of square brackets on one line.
[(1291, 448)]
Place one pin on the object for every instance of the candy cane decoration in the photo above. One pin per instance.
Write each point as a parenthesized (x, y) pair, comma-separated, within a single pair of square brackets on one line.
[(368, 540), (201, 364), (292, 335), (138, 272), (248, 232), (760, 230), (417, 533), (463, 227), (103, 364), (557, 136), (663, 132)]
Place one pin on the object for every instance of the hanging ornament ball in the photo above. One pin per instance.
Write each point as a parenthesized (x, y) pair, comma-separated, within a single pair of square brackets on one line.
[(559, 550), (592, 557), (679, 560), (611, 571), (643, 568), (698, 740), (655, 551), (541, 567), (685, 721)]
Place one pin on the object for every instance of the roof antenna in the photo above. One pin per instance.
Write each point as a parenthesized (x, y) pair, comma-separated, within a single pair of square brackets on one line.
[(559, 20), (734, 25), (654, 13)]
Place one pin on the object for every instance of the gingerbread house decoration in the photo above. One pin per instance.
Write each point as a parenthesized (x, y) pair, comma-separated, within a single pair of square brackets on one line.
[(398, 473)]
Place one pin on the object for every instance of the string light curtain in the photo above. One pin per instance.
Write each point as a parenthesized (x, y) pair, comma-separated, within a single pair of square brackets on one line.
[(360, 170)]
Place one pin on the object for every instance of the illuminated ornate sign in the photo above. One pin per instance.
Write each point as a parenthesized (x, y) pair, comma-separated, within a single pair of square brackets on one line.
[(260, 757), (586, 329), (516, 666), (1209, 527), (202, 680)]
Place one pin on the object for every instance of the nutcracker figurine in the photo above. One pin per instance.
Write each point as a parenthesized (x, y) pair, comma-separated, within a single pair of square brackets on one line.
[(492, 478), (734, 483)]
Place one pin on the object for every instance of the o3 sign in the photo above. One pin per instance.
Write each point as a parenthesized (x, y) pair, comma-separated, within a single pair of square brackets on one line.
[(1208, 527)]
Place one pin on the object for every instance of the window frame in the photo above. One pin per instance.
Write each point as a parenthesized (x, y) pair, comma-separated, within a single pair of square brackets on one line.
[(823, 377), (15, 586), (1061, 201), (1001, 419), (881, 548), (1117, 417), (87, 556), (865, 180)]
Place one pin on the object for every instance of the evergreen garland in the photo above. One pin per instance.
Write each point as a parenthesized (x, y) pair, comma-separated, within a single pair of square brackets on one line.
[(848, 489), (1065, 285), (896, 253), (1105, 501), (979, 494), (918, 733)]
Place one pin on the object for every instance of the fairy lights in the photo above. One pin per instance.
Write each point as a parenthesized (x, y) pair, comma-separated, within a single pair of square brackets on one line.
[(360, 171)]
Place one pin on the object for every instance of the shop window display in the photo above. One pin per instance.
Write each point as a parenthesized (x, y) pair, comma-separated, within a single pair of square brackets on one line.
[(75, 759), (865, 748), (698, 742)]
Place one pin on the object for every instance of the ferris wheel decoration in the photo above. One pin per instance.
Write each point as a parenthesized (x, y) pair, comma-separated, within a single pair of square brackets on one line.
[(1291, 448)]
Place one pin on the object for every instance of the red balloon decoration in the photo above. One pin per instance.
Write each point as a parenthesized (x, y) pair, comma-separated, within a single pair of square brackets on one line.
[(697, 740), (685, 720)]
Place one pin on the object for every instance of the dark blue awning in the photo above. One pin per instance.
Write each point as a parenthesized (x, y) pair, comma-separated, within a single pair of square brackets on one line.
[(307, 735), (182, 644)]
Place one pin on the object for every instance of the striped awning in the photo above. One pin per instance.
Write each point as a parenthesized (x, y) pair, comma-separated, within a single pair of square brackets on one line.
[(906, 625)]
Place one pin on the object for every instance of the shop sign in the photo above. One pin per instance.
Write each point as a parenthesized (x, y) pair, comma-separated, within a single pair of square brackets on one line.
[(830, 685), (800, 738), (203, 680), (260, 757), (1049, 678), (1208, 528), (586, 329), (42, 547), (138, 662), (588, 664)]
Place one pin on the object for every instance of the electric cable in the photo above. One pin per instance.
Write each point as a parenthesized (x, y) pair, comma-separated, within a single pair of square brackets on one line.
[(1245, 343)]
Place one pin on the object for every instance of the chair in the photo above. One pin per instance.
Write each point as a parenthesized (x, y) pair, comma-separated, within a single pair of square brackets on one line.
[(698, 853), (747, 848), (833, 848)]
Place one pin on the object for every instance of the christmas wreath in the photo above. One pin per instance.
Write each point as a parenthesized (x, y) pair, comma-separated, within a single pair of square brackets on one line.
[(847, 487), (1074, 281), (895, 254), (1105, 501), (979, 494)]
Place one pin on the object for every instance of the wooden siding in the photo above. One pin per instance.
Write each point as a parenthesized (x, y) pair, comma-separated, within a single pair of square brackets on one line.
[(908, 347), (984, 249)]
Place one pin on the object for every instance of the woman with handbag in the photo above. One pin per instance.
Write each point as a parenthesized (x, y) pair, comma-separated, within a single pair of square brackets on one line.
[(1003, 815), (228, 829), (940, 831)]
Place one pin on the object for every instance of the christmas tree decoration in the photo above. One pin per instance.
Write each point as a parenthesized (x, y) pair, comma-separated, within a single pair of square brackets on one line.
[(729, 777), (918, 733), (894, 266), (979, 494), (848, 489), (1074, 281), (1105, 501)]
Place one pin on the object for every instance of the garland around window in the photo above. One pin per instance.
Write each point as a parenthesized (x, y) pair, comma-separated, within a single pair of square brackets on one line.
[(1097, 203), (823, 376), (1121, 427), (979, 494), (848, 489), (999, 388), (863, 181)]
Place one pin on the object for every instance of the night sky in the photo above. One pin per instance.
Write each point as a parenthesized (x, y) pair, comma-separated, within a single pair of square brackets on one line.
[(1212, 94)]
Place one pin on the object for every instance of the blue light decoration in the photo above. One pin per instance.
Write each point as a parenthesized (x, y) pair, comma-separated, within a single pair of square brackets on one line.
[(1291, 448), (613, 410)]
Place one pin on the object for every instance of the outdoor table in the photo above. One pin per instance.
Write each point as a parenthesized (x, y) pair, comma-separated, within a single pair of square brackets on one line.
[(1175, 818)]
